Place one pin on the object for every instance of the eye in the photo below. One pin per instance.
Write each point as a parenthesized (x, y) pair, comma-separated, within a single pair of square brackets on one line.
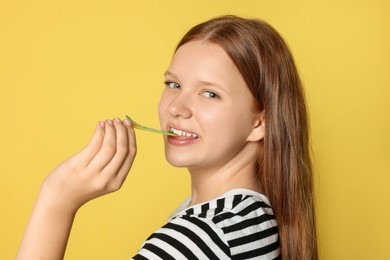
[(171, 84), (210, 94)]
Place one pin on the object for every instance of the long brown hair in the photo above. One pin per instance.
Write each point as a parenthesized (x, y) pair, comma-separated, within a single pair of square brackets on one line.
[(284, 164)]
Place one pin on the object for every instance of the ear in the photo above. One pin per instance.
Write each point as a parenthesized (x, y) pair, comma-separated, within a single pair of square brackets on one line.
[(258, 130)]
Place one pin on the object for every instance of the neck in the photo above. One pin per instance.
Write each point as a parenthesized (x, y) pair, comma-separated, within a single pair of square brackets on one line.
[(238, 173)]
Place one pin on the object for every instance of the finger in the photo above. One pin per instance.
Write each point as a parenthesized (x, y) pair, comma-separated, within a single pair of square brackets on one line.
[(94, 145), (115, 183), (122, 150), (125, 168), (107, 150)]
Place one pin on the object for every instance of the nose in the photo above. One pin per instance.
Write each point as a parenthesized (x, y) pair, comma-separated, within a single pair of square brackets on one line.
[(180, 106)]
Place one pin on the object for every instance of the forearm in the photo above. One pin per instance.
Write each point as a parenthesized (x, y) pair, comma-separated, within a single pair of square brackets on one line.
[(47, 231)]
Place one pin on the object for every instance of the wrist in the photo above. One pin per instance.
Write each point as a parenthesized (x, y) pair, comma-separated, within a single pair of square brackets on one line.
[(53, 202)]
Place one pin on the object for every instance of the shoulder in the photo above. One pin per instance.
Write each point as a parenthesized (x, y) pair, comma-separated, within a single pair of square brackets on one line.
[(186, 237), (238, 226), (249, 227), (244, 208)]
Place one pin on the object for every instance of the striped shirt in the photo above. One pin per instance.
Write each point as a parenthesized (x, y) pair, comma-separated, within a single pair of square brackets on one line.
[(237, 225)]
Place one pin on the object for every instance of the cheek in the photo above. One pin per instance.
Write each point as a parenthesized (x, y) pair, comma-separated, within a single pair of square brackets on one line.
[(160, 109), (162, 114), (163, 106), (214, 121), (230, 123)]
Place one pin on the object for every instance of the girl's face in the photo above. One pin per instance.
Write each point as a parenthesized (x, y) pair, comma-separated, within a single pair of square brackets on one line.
[(208, 103)]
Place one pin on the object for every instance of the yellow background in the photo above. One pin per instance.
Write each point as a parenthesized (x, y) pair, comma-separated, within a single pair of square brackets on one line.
[(65, 65)]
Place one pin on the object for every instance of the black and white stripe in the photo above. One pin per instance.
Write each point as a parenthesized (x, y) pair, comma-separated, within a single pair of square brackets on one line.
[(237, 225)]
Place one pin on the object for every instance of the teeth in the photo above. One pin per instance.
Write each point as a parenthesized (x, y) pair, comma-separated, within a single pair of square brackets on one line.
[(182, 133)]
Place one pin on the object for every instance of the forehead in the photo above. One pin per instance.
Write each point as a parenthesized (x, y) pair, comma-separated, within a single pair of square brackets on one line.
[(202, 54), (201, 49), (205, 61)]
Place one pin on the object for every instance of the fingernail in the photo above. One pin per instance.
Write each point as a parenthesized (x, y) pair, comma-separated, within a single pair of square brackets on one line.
[(127, 122), (118, 120), (102, 124), (110, 122)]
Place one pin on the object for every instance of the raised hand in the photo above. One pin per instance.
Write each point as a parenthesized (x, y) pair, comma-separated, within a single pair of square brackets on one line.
[(100, 168)]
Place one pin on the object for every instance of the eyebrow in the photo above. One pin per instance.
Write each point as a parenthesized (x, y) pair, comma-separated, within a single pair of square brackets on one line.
[(168, 73), (201, 82)]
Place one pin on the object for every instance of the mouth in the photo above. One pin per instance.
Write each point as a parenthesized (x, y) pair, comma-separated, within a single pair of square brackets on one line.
[(181, 133)]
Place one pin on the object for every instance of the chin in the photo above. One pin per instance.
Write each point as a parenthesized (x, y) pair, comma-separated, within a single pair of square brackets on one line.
[(178, 161)]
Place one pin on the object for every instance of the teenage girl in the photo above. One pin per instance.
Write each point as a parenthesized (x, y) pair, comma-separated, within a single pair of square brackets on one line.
[(234, 99)]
